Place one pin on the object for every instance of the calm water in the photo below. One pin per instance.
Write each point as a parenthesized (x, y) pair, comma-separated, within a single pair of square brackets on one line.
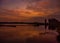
[(27, 34)]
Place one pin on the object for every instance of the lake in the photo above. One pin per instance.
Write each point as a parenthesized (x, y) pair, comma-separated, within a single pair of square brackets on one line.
[(27, 34)]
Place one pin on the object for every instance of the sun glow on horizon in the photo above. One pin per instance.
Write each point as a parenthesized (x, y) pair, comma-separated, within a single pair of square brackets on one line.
[(32, 13)]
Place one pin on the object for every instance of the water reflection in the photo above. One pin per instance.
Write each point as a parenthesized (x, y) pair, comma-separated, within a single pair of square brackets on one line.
[(26, 34)]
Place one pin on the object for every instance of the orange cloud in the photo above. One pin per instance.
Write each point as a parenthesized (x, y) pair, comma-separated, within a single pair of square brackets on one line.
[(44, 7), (28, 13), (10, 15), (32, 13)]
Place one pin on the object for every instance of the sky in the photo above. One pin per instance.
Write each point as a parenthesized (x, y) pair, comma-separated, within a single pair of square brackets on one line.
[(29, 10)]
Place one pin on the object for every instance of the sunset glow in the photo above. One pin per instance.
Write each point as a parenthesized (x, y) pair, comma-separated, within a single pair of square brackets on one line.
[(26, 9)]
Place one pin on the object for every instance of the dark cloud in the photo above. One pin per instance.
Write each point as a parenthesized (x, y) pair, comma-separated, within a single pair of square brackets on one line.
[(45, 6), (0, 3), (33, 0), (55, 15)]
